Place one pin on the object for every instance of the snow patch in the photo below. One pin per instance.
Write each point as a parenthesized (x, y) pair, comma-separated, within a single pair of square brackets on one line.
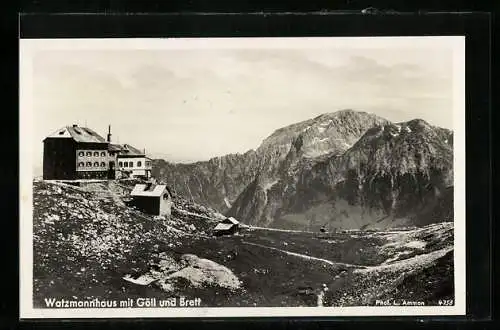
[(417, 261), (315, 153), (269, 185), (318, 140), (200, 272), (396, 257), (141, 280), (228, 204), (415, 244)]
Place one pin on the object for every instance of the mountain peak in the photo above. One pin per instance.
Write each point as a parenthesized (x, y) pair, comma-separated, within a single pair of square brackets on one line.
[(418, 124), (333, 131), (344, 113)]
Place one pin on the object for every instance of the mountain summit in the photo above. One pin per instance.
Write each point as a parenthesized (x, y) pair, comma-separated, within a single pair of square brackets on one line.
[(345, 169), (329, 132)]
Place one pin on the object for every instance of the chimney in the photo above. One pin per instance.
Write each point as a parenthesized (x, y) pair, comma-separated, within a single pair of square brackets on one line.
[(109, 134)]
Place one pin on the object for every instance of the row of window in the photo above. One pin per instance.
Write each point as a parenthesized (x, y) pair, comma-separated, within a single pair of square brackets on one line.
[(89, 164), (89, 154), (128, 164), (131, 164)]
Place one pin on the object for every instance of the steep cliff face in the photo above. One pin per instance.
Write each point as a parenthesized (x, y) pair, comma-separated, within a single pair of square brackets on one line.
[(219, 181), (345, 169), (214, 183), (395, 174)]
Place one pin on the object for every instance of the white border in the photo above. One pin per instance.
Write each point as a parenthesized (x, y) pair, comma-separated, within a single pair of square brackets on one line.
[(28, 47)]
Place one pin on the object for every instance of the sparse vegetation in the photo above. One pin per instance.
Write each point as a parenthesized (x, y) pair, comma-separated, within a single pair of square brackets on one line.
[(86, 241)]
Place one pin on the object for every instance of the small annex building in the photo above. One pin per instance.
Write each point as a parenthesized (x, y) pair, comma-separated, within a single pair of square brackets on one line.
[(131, 162), (151, 198), (228, 226)]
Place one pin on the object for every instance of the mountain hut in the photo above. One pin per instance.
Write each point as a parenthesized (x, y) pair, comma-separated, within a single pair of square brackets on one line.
[(151, 198), (228, 226)]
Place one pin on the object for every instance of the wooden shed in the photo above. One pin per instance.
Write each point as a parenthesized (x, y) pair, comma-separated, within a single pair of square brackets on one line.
[(150, 198), (228, 226)]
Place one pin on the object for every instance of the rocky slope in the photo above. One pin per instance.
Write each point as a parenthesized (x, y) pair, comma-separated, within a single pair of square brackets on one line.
[(87, 245), (344, 169), (395, 174), (219, 181)]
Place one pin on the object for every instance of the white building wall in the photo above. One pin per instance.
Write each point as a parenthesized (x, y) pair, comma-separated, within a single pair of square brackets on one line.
[(139, 166), (87, 159)]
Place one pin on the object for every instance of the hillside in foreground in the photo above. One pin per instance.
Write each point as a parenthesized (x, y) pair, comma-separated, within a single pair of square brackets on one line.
[(88, 244)]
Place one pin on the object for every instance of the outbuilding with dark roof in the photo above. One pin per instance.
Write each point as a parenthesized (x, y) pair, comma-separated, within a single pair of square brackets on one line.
[(150, 198), (228, 226)]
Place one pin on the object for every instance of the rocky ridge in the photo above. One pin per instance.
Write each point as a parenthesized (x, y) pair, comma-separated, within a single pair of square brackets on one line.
[(345, 169)]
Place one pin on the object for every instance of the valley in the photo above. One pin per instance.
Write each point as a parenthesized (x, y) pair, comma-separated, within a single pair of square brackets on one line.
[(87, 244)]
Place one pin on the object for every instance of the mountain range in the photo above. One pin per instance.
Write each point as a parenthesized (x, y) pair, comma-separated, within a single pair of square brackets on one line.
[(340, 170)]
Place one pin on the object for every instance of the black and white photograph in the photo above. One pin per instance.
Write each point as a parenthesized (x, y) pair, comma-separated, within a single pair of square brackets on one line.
[(209, 177)]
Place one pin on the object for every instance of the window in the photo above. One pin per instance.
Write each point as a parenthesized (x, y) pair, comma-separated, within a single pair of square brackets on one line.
[(96, 164), (130, 164), (96, 153), (139, 164), (81, 164), (120, 164), (103, 164), (81, 154), (89, 154), (148, 163), (89, 164), (125, 164), (103, 154)]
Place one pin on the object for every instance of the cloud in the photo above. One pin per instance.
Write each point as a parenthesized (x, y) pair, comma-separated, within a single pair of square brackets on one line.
[(175, 101)]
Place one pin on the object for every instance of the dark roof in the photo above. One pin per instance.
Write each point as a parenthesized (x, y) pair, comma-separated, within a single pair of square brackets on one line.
[(79, 134), (126, 149), (153, 190), (224, 226), (114, 147), (230, 220), (130, 150)]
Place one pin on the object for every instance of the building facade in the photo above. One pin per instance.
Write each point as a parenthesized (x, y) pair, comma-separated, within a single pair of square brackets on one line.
[(133, 162), (74, 152)]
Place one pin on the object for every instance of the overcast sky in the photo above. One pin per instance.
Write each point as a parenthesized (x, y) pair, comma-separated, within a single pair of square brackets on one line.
[(193, 103)]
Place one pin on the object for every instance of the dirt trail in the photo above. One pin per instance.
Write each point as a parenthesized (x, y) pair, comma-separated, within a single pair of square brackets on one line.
[(181, 211), (281, 230), (304, 256)]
